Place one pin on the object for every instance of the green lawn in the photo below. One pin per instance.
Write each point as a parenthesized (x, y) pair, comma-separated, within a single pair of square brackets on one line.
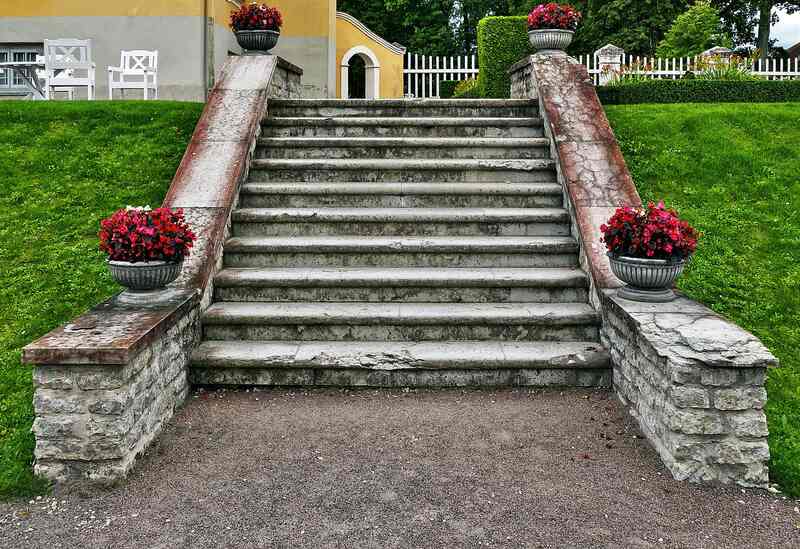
[(733, 170), (64, 166)]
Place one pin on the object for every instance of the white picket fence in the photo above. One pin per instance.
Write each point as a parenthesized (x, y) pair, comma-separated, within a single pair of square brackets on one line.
[(422, 74), (674, 68)]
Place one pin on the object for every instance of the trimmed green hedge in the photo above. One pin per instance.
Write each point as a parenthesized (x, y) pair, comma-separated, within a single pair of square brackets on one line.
[(502, 41), (701, 91), (447, 88)]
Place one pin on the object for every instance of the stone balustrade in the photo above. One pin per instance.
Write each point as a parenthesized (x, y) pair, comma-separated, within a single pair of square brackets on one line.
[(693, 380), (107, 382)]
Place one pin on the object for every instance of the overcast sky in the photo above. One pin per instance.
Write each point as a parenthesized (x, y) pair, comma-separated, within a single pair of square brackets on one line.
[(787, 31)]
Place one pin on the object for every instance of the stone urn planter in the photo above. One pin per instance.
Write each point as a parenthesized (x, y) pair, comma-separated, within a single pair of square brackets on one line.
[(145, 277), (649, 280), (550, 40), (257, 40)]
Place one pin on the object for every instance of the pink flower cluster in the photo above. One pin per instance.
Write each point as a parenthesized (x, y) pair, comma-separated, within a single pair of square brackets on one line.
[(554, 16), (256, 16), (140, 234), (654, 232)]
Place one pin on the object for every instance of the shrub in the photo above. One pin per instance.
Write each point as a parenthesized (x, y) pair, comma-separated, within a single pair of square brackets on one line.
[(467, 89), (447, 88), (693, 32), (701, 91), (718, 68), (256, 16), (654, 232), (141, 235), (554, 16), (502, 41)]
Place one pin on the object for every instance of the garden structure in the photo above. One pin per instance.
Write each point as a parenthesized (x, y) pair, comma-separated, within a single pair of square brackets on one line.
[(400, 243)]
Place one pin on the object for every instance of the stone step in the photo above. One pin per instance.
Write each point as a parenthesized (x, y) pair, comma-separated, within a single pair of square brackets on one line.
[(401, 221), (401, 251), (401, 195), (356, 321), (401, 127), (403, 108), (406, 170), (401, 364), (478, 285), (402, 147)]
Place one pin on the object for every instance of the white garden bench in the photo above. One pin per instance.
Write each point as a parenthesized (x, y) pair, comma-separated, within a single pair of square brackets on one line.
[(68, 64), (138, 70)]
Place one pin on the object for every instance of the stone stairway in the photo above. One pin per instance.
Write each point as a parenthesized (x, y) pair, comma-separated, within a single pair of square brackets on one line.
[(401, 243)]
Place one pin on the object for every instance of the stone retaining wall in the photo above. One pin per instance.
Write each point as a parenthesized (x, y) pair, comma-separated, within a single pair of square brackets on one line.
[(107, 382), (93, 420), (693, 380)]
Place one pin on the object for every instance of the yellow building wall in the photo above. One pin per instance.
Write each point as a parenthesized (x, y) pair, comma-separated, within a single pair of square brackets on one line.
[(391, 72), (301, 17)]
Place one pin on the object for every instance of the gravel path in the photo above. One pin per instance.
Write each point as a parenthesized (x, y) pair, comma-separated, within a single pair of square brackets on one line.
[(403, 469)]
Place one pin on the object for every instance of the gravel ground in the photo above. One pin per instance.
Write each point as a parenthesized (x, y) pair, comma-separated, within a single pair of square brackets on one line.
[(513, 468)]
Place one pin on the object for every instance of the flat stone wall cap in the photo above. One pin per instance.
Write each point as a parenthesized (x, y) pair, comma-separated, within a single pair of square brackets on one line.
[(289, 66), (686, 331), (522, 63), (610, 50), (108, 334)]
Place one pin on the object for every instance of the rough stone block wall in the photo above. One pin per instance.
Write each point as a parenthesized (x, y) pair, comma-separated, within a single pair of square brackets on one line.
[(695, 383), (286, 82), (93, 420)]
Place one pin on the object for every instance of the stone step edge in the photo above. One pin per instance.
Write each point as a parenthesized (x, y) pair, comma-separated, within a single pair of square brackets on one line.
[(400, 215), (386, 164), (305, 121), (404, 142), (419, 277), (402, 188), (383, 244), (413, 314), (395, 355), (410, 103)]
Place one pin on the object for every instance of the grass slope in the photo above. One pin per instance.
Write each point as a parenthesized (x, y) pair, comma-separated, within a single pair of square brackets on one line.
[(63, 167), (734, 172)]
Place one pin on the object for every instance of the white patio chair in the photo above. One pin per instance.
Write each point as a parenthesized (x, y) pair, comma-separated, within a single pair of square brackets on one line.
[(138, 70), (45, 81), (72, 56)]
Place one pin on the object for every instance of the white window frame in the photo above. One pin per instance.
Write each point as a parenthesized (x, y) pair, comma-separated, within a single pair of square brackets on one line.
[(11, 85)]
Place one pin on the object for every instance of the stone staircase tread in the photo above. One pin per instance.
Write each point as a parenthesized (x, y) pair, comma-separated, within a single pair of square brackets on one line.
[(398, 355), (368, 313), (295, 121), (476, 142), (389, 215), (413, 103), (484, 277), (531, 164), (461, 188), (402, 244)]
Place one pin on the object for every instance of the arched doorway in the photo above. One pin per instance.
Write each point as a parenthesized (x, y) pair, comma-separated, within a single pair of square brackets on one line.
[(371, 71)]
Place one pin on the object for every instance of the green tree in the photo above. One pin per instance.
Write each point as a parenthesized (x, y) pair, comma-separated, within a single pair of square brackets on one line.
[(693, 32), (637, 26), (767, 17), (422, 26)]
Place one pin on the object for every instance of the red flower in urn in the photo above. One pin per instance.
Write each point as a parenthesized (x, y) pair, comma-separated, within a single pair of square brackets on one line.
[(139, 235), (654, 232), (256, 16), (554, 16)]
